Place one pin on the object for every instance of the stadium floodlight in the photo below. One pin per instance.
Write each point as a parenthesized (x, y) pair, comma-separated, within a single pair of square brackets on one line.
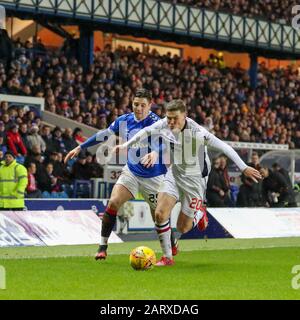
[(2, 18)]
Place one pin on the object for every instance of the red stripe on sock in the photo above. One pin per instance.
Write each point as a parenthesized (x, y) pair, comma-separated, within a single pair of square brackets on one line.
[(163, 230), (111, 211)]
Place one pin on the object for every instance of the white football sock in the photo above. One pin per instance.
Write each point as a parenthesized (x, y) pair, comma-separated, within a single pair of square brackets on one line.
[(103, 241), (164, 234)]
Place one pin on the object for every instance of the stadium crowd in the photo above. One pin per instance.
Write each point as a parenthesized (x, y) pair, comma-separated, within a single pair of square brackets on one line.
[(218, 97), (41, 150), (273, 10)]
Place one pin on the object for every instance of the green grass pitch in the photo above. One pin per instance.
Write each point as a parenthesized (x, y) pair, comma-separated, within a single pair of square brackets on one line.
[(213, 269)]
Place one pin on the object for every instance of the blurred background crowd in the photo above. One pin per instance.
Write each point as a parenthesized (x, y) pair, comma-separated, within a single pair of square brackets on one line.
[(218, 97)]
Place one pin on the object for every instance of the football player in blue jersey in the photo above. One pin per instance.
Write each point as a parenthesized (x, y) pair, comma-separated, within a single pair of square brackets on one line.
[(136, 175)]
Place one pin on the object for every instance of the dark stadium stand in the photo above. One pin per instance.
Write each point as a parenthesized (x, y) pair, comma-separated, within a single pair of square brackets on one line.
[(273, 10)]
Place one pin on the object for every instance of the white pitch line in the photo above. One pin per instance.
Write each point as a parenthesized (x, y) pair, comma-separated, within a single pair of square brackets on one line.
[(159, 251)]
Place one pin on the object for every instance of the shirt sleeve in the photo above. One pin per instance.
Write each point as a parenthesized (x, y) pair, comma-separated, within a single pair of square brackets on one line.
[(99, 137), (220, 145), (115, 126)]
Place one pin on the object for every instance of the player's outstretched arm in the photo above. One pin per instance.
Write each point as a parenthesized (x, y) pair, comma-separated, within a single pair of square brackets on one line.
[(141, 135), (97, 138), (220, 145), (153, 130), (136, 138)]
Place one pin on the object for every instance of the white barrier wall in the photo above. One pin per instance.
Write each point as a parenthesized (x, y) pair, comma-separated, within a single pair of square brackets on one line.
[(239, 222), (50, 228), (71, 227), (249, 223)]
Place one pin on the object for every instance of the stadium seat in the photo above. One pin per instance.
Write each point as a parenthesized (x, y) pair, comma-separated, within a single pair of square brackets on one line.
[(82, 189), (234, 190)]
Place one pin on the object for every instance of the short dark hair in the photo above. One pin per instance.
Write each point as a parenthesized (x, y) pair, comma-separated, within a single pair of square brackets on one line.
[(176, 105), (143, 93)]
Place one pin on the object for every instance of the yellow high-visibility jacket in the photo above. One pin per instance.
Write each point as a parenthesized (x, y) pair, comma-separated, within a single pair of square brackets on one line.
[(13, 182)]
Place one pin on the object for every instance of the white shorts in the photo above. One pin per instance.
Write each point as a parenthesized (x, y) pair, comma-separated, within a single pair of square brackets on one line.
[(189, 190), (148, 187)]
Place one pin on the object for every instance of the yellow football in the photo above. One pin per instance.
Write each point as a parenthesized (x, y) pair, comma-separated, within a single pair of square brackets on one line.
[(142, 258)]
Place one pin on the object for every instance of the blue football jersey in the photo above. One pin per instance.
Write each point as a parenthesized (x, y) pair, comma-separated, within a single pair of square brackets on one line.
[(126, 126)]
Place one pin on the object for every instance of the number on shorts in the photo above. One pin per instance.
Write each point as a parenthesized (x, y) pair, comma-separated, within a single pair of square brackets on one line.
[(152, 197), (196, 204)]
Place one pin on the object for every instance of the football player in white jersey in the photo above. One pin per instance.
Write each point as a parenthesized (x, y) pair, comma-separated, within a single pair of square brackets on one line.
[(186, 180)]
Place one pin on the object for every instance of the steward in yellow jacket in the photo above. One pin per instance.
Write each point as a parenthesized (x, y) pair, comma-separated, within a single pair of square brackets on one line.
[(13, 182)]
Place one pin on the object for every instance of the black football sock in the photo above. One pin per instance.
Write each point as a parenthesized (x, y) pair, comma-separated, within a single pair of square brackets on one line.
[(108, 223)]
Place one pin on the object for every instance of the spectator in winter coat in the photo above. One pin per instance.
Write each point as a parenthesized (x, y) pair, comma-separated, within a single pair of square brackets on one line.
[(14, 141), (79, 168), (6, 121), (51, 183), (34, 138), (44, 181), (47, 137), (225, 179), (58, 141), (23, 131), (68, 139), (59, 169), (250, 194), (13, 182), (78, 136), (276, 190), (216, 187), (285, 174), (93, 169)]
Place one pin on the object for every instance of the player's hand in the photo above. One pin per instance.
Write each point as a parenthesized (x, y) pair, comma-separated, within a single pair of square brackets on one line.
[(73, 153), (149, 159), (252, 174)]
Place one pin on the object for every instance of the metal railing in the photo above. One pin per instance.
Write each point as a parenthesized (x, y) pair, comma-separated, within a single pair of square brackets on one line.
[(181, 20)]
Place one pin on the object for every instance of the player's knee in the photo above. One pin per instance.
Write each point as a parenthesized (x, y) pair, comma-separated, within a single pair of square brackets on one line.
[(114, 204), (160, 216)]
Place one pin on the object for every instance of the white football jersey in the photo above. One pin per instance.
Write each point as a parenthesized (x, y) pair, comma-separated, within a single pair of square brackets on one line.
[(188, 148)]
